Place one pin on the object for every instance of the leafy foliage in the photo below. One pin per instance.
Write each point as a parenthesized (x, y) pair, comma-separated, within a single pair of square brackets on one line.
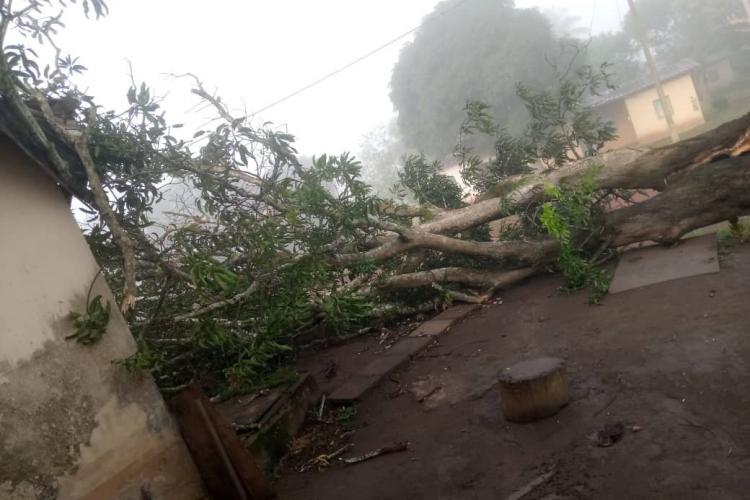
[(738, 233), (90, 327), (244, 263), (345, 416), (570, 217), (513, 155), (242, 249), (429, 185), (561, 128)]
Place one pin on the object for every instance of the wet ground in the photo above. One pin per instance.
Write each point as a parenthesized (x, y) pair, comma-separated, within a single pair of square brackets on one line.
[(670, 362)]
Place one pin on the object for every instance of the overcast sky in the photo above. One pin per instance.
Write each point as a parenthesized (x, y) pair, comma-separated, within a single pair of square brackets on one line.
[(256, 51)]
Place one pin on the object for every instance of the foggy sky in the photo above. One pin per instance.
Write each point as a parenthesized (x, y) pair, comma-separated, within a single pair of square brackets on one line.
[(256, 51)]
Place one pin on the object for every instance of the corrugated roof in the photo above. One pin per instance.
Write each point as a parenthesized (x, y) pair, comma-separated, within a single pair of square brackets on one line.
[(644, 82)]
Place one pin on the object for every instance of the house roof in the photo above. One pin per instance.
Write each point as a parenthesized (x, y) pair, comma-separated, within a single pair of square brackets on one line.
[(644, 82), (14, 128)]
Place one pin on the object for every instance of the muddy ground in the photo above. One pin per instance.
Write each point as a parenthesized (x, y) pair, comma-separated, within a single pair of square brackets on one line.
[(670, 361)]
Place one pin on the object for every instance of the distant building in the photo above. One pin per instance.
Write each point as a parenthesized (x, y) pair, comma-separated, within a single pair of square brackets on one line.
[(639, 114)]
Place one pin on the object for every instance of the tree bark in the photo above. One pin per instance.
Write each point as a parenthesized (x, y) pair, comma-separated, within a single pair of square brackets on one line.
[(491, 280), (626, 169), (706, 195), (701, 181)]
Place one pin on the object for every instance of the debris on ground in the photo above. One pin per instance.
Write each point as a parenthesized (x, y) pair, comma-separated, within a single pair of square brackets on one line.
[(609, 435), (331, 369), (322, 407), (394, 448), (312, 447), (245, 428), (322, 461), (426, 388), (430, 393), (528, 488)]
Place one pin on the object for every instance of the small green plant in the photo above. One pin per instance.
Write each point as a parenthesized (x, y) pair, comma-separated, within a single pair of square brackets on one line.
[(569, 217), (345, 416), (737, 233), (90, 327)]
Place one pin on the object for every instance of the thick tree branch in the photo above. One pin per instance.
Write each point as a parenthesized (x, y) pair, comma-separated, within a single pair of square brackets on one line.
[(626, 169), (236, 299), (79, 142), (492, 280), (709, 194), (528, 252)]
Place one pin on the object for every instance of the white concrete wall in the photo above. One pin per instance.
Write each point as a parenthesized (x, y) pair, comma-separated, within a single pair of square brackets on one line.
[(72, 424)]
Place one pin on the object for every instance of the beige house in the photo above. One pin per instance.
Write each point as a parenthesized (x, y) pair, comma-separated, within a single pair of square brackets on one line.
[(639, 114), (72, 424)]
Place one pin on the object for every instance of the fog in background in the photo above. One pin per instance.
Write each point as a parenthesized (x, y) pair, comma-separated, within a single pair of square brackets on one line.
[(255, 52), (406, 97)]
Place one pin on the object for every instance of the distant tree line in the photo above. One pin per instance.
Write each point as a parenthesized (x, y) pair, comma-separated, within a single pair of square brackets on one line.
[(480, 50)]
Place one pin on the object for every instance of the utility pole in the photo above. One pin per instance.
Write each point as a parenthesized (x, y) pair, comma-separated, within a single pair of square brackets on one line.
[(666, 106)]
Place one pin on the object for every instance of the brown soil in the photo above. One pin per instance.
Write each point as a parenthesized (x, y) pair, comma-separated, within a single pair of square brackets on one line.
[(667, 363)]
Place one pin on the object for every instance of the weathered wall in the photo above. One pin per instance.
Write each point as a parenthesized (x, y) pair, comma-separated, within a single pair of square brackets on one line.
[(685, 103), (72, 424)]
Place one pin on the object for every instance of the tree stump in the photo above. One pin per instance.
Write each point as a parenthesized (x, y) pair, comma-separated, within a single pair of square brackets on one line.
[(534, 389)]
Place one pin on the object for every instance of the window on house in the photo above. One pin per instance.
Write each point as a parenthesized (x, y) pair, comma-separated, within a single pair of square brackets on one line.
[(660, 108)]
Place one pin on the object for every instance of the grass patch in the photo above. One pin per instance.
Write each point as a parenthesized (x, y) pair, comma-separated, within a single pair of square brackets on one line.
[(738, 233)]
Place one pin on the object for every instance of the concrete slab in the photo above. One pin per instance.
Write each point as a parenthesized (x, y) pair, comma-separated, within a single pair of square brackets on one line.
[(432, 328), (372, 373), (457, 312), (354, 389), (444, 320), (658, 264), (409, 346), (402, 351)]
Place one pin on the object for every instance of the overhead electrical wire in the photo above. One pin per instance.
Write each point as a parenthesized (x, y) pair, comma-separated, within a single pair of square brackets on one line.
[(593, 18), (356, 61)]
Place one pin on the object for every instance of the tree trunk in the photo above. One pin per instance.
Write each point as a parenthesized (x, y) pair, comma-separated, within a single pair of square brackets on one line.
[(701, 181), (710, 193), (626, 169)]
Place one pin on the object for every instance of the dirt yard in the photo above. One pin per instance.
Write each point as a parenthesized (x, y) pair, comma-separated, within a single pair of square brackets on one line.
[(670, 362)]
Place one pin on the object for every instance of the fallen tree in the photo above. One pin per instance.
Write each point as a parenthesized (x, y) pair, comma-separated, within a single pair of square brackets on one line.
[(264, 249)]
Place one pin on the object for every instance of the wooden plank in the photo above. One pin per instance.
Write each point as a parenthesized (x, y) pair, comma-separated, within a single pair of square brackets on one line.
[(228, 469)]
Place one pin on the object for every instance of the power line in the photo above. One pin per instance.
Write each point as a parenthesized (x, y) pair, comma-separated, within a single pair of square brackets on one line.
[(593, 18), (356, 61)]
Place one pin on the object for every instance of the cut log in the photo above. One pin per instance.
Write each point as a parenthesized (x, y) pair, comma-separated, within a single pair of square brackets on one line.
[(534, 389)]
